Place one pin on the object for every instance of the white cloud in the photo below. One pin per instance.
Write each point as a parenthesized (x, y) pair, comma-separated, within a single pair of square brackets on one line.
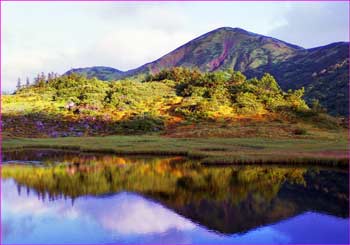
[(131, 214), (315, 24), (123, 213), (121, 36), (125, 48), (45, 37)]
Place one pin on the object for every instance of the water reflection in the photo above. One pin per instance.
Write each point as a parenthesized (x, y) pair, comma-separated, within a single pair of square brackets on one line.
[(74, 198)]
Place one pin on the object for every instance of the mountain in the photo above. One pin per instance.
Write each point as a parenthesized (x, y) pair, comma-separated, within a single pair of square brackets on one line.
[(222, 48), (225, 48), (100, 72), (323, 71)]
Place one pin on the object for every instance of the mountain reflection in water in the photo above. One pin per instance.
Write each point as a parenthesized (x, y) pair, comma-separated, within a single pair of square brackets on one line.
[(75, 198)]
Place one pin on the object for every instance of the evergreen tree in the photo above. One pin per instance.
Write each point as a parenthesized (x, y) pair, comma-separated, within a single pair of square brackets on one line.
[(37, 79), (50, 76), (43, 77), (19, 85)]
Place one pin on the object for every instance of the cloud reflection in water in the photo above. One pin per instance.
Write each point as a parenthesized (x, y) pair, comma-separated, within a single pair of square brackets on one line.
[(131, 218)]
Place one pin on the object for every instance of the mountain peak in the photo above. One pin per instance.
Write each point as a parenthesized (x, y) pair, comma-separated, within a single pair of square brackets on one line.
[(228, 28), (231, 29), (222, 48), (225, 30)]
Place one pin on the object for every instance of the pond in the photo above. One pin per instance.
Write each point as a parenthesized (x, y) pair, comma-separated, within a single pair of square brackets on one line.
[(67, 197)]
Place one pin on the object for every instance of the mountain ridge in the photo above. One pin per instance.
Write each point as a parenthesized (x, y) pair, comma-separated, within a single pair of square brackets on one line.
[(133, 70), (254, 54)]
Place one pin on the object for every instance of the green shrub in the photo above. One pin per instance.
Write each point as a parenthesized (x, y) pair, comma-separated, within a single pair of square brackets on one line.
[(247, 103)]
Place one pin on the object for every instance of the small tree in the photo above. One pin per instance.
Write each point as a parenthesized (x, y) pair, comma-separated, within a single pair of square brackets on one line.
[(50, 76), (27, 82)]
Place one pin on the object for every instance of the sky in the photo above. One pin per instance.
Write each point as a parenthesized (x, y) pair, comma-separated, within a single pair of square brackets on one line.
[(57, 36)]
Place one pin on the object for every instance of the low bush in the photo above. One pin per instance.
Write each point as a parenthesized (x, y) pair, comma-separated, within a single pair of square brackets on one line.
[(300, 131)]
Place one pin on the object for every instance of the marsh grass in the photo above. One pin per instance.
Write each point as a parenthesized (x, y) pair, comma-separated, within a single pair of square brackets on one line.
[(209, 150)]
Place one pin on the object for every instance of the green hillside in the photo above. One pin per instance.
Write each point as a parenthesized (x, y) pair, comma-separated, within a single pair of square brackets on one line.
[(179, 102)]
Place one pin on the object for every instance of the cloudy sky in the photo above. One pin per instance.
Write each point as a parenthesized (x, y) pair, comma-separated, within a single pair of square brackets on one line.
[(57, 36)]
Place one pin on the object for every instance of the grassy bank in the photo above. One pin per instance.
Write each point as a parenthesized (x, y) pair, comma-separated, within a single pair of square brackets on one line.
[(209, 150)]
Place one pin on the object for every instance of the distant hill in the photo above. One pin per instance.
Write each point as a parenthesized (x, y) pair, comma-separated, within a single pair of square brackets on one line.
[(323, 71), (100, 72)]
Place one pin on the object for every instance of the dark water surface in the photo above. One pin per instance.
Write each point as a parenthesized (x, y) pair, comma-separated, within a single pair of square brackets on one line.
[(60, 197)]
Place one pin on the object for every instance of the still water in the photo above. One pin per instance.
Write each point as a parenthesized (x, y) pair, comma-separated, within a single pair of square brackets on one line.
[(61, 197)]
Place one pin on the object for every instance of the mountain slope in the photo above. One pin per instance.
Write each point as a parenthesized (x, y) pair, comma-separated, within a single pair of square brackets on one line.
[(323, 71)]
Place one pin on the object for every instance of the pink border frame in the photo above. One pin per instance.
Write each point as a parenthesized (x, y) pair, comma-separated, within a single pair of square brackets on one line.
[(173, 1), (348, 146)]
